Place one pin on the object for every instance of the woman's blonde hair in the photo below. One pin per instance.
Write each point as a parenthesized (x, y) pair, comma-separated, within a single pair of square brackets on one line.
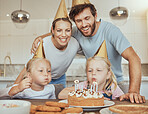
[(32, 61), (111, 80)]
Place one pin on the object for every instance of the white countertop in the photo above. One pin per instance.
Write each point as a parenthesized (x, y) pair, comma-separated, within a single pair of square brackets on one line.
[(13, 78), (8, 78)]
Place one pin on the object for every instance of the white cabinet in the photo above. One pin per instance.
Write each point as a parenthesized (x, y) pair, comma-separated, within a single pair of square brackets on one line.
[(144, 85), (6, 81)]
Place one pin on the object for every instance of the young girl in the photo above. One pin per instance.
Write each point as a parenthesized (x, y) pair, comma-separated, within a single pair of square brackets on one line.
[(98, 70), (35, 86)]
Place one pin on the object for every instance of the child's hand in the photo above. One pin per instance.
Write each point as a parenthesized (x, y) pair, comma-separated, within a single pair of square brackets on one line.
[(105, 98), (24, 84)]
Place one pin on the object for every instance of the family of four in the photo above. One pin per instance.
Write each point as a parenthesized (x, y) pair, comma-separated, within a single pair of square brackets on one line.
[(86, 38)]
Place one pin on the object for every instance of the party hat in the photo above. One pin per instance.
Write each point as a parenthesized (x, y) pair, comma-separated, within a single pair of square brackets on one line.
[(78, 2), (62, 11), (40, 51), (102, 51)]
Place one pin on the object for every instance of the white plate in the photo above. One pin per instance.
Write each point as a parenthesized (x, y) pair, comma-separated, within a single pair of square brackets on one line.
[(106, 111), (92, 108)]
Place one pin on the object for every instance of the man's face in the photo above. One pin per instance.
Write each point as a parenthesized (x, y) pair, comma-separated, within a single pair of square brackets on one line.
[(85, 22)]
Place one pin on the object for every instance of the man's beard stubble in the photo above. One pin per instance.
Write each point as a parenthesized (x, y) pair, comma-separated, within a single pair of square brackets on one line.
[(92, 30)]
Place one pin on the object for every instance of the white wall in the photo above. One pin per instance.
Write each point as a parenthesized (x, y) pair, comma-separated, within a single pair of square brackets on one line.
[(17, 42)]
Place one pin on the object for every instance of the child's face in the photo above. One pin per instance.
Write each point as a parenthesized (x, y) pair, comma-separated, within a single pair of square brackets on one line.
[(41, 72), (97, 71)]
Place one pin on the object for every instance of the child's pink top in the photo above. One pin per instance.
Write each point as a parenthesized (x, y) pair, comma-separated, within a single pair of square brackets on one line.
[(116, 93)]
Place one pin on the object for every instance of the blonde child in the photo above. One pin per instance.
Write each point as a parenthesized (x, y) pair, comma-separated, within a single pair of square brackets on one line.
[(98, 70), (35, 86)]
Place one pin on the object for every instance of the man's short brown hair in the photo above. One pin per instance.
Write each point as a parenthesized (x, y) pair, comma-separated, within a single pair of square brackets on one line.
[(79, 8)]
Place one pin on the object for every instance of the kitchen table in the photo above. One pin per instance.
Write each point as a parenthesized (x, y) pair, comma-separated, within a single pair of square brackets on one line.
[(42, 101)]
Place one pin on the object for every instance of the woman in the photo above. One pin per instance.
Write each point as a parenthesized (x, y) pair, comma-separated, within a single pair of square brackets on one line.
[(60, 48)]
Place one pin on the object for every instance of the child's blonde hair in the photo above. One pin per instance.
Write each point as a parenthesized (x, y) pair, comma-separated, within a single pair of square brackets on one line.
[(32, 61), (112, 78)]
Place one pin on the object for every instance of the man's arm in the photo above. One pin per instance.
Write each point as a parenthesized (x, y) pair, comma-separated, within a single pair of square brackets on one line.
[(134, 75), (134, 69)]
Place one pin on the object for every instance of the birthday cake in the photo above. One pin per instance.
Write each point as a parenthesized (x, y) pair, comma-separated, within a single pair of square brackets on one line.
[(85, 97)]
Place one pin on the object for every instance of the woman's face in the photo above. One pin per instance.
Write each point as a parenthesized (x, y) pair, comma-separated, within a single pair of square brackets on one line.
[(62, 34)]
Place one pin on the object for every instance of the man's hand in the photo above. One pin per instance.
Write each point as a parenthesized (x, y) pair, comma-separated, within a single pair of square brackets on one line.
[(35, 44), (133, 97), (24, 84)]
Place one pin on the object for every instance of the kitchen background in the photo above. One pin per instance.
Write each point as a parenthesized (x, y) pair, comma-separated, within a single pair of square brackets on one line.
[(17, 43)]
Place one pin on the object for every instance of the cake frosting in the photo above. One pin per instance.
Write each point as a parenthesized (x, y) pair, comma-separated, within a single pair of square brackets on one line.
[(86, 93)]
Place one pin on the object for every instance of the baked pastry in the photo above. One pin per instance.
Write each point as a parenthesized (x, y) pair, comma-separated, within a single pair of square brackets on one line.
[(45, 108), (73, 110), (56, 104), (129, 109), (33, 109), (86, 97)]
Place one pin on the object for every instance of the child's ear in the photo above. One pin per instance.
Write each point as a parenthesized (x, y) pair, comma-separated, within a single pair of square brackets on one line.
[(28, 75), (52, 30)]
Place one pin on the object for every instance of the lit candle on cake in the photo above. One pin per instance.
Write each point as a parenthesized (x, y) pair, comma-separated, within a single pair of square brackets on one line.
[(76, 84), (95, 86), (91, 88)]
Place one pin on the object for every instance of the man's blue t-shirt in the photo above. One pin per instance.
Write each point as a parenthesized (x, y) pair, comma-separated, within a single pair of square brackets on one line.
[(116, 43)]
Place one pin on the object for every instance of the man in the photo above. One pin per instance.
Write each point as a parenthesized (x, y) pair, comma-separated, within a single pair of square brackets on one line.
[(91, 33)]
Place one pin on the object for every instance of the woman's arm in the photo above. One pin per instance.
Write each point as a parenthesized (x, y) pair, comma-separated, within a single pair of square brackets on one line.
[(20, 76)]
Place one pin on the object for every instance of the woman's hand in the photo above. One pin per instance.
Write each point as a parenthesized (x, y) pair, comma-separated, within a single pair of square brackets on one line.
[(36, 41), (35, 44), (133, 97), (105, 98)]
